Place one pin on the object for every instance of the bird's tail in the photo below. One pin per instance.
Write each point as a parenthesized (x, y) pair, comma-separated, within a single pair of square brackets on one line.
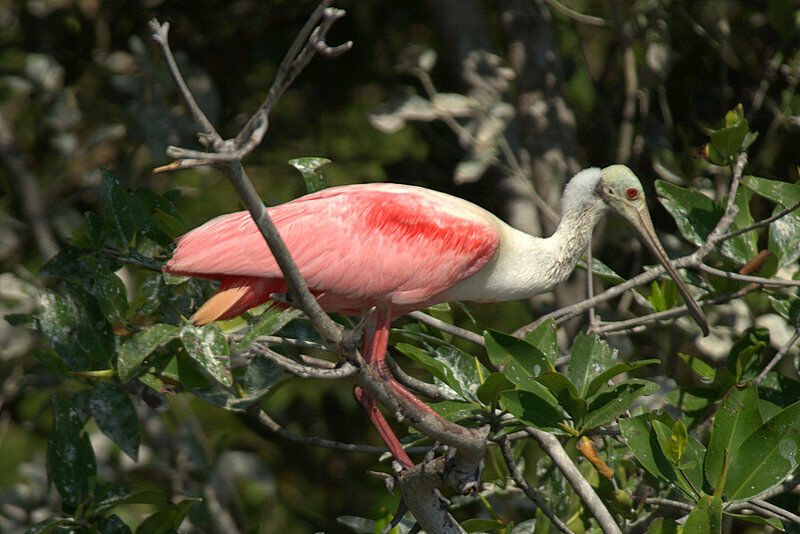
[(236, 295)]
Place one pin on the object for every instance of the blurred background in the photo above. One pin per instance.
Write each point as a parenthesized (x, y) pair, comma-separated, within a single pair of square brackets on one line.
[(82, 85)]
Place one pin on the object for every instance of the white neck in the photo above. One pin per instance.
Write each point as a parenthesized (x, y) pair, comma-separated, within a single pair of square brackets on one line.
[(526, 265)]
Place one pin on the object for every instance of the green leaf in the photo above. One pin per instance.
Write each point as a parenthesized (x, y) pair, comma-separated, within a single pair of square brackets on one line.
[(743, 357), (643, 442), (727, 142), (260, 376), (454, 410), (691, 464), (137, 348), (490, 390), (267, 324), (310, 167), (736, 418), (68, 264), (545, 338), (779, 390), (662, 526), (71, 464), (773, 522), (166, 521), (766, 457), (504, 349), (207, 347), (697, 365), (706, 517), (782, 231), (607, 406), (602, 270), (532, 409), (108, 290), (784, 234), (116, 417), (457, 370), (563, 390), (600, 381), (117, 210), (590, 356), (58, 322), (677, 441), (696, 215)]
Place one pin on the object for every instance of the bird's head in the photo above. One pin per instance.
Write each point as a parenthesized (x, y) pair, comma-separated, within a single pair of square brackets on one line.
[(622, 192)]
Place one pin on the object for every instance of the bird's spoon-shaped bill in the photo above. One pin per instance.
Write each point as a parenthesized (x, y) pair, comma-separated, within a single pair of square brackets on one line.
[(641, 221)]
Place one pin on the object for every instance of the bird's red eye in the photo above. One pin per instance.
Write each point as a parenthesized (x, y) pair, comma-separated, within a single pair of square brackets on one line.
[(632, 192)]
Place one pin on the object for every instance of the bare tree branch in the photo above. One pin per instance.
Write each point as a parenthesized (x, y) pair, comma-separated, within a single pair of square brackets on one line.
[(447, 327), (552, 447), (526, 488)]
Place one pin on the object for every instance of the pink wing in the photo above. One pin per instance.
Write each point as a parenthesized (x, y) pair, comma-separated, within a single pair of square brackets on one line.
[(356, 246)]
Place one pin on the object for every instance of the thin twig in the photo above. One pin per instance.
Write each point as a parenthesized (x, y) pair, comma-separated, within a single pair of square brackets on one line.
[(759, 280), (161, 37), (447, 327), (304, 371), (668, 502), (778, 356), (532, 494), (761, 223), (619, 327), (552, 447), (777, 510)]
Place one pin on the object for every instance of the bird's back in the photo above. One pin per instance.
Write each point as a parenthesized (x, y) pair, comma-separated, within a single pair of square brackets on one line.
[(357, 246)]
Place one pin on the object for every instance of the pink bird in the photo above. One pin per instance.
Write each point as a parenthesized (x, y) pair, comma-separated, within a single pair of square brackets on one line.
[(401, 248)]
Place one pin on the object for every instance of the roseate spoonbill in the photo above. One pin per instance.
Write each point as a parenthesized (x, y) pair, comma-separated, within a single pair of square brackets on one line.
[(400, 248)]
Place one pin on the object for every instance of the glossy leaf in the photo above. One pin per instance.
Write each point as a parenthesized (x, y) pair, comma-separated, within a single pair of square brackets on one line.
[(602, 270), (166, 521), (677, 441), (452, 378), (706, 517), (661, 525), (108, 290), (690, 466), (743, 357), (310, 169), (545, 338), (58, 322), (607, 406), (134, 350), (117, 210), (71, 464), (697, 365), (784, 234), (116, 417), (600, 380), (737, 417), (532, 409), (696, 215), (490, 390), (644, 444), (590, 356), (566, 394), (504, 349), (267, 324), (260, 376), (207, 347), (765, 457)]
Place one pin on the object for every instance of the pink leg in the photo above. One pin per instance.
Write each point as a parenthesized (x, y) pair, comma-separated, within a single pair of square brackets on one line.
[(376, 339)]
